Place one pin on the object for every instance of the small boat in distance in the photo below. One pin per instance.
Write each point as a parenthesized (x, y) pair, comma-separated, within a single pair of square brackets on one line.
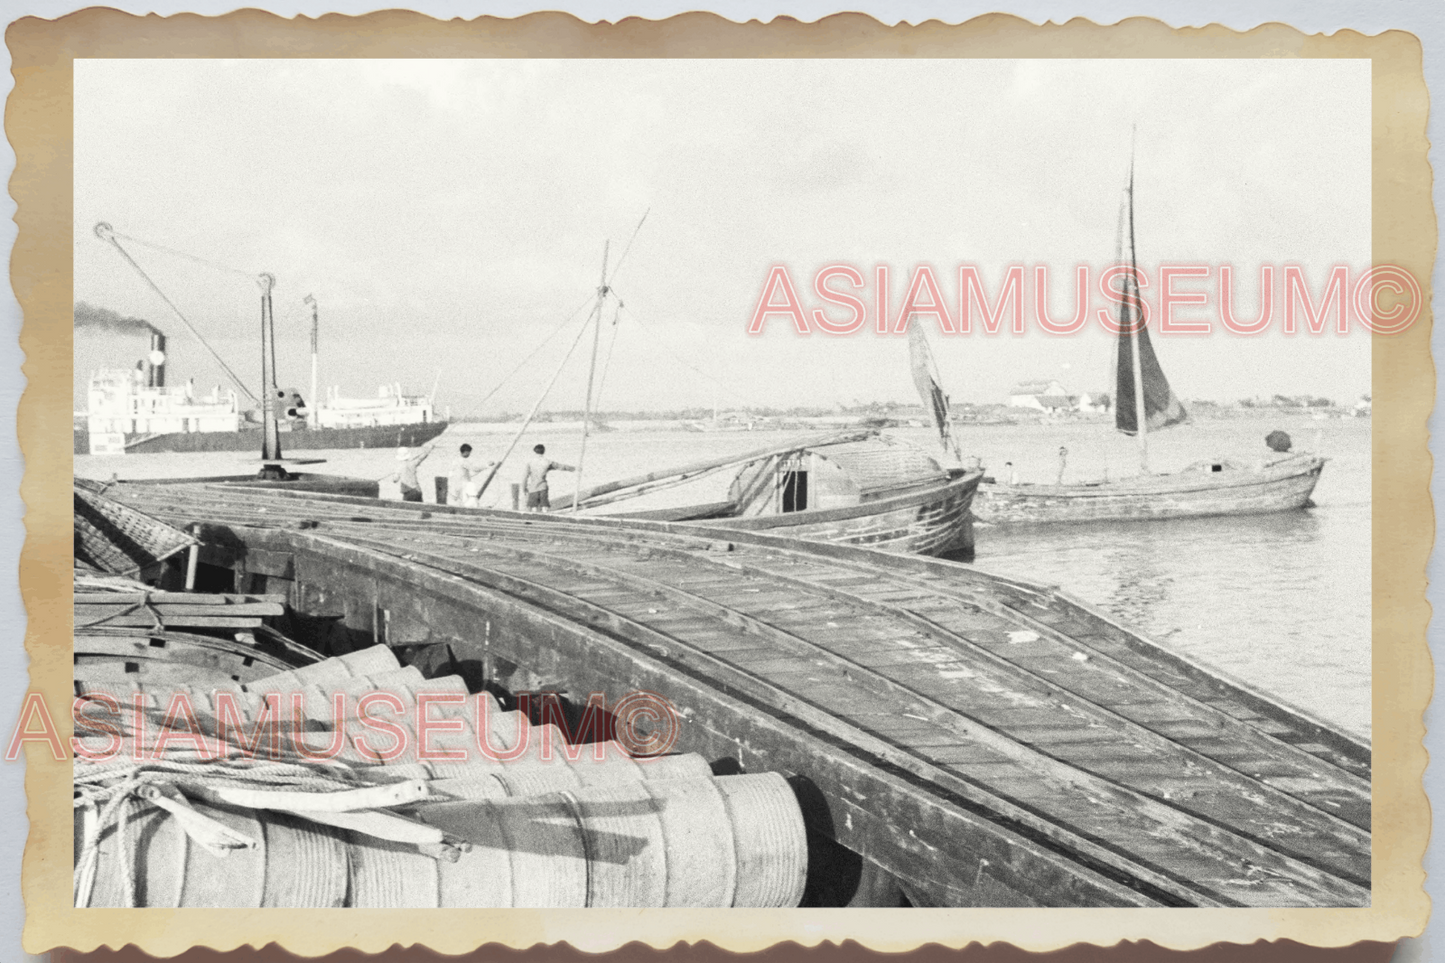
[(1215, 487)]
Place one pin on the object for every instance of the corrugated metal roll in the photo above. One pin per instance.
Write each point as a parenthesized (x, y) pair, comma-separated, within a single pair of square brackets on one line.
[(729, 841), (370, 660), (768, 837), (626, 845), (156, 847), (386, 875), (306, 864), (701, 856), (328, 673), (236, 881)]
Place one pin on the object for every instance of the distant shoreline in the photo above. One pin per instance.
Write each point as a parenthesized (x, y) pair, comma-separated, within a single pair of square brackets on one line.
[(1023, 419)]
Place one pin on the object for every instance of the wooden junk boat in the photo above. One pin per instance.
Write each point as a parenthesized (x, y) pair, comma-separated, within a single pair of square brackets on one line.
[(953, 738), (1214, 487), (852, 488)]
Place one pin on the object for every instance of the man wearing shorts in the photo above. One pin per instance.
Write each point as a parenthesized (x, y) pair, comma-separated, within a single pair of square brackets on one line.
[(405, 476), (467, 478), (535, 481)]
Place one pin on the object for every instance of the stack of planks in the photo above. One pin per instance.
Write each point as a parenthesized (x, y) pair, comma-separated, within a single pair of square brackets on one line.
[(178, 610), (126, 629)]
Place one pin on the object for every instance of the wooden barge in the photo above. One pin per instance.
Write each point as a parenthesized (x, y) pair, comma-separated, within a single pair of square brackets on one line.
[(852, 488), (1208, 488), (981, 741)]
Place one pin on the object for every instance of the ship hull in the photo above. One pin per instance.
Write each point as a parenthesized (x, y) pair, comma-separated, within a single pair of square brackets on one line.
[(1283, 486), (306, 439), (933, 521)]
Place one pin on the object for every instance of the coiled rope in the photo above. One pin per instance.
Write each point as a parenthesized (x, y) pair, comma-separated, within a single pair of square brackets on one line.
[(110, 790)]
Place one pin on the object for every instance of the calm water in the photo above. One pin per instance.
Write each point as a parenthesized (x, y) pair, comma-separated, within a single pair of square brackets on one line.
[(1279, 601)]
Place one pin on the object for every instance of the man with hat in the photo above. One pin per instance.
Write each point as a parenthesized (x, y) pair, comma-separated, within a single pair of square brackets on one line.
[(406, 474)]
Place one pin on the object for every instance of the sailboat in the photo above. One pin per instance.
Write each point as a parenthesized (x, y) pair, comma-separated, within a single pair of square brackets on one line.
[(1216, 487), (852, 487), (856, 487)]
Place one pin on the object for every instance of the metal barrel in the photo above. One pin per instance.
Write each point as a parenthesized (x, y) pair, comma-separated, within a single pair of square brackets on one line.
[(726, 841)]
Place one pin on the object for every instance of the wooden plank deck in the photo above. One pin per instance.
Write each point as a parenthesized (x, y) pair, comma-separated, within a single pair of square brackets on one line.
[(988, 741)]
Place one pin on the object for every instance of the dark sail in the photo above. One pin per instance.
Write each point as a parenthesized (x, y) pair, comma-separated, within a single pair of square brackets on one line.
[(1161, 408)]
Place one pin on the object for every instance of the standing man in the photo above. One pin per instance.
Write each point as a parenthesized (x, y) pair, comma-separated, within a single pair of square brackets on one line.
[(535, 481), (466, 478), (406, 474), (1063, 463)]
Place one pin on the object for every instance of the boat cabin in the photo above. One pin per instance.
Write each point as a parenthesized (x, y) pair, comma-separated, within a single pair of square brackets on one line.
[(832, 476)]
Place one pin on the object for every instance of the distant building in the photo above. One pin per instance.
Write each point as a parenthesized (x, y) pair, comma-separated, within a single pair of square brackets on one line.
[(1039, 395)]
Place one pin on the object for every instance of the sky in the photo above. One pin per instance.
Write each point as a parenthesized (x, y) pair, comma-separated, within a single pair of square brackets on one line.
[(449, 217)]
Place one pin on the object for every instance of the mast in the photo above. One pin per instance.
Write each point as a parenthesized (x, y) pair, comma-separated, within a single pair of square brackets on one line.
[(527, 421), (271, 436), (1141, 415), (314, 406), (591, 372)]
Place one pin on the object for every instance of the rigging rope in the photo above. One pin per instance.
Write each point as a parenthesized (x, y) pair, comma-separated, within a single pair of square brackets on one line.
[(618, 266), (106, 233), (555, 331), (189, 257), (481, 489), (682, 361), (112, 790)]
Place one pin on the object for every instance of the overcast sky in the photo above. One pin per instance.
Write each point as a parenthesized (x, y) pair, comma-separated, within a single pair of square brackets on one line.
[(449, 215)]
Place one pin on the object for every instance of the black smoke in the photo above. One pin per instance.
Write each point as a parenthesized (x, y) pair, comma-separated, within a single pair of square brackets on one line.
[(104, 319)]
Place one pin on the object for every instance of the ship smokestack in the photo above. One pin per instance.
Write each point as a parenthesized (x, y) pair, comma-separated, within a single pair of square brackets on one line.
[(156, 361)]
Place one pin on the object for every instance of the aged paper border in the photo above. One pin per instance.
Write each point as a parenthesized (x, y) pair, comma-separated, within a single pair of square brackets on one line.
[(38, 123)]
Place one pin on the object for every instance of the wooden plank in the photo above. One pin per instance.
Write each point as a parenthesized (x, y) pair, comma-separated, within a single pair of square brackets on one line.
[(181, 598), (173, 613), (144, 620)]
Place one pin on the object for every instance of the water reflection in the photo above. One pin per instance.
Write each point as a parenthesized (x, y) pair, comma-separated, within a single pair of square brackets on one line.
[(1281, 601)]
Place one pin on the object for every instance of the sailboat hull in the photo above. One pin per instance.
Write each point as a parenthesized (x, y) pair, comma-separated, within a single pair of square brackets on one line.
[(933, 521), (1281, 486)]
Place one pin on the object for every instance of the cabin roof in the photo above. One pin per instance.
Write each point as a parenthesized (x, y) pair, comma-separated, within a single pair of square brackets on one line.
[(876, 463)]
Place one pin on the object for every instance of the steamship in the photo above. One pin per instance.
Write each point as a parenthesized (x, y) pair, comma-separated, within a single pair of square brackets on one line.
[(133, 410)]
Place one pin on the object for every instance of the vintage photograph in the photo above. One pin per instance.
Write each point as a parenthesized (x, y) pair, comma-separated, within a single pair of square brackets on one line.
[(773, 483)]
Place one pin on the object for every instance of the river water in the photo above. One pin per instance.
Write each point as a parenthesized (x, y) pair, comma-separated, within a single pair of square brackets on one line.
[(1281, 602)]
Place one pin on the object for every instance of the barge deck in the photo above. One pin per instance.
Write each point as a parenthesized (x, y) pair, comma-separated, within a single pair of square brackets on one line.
[(984, 741)]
